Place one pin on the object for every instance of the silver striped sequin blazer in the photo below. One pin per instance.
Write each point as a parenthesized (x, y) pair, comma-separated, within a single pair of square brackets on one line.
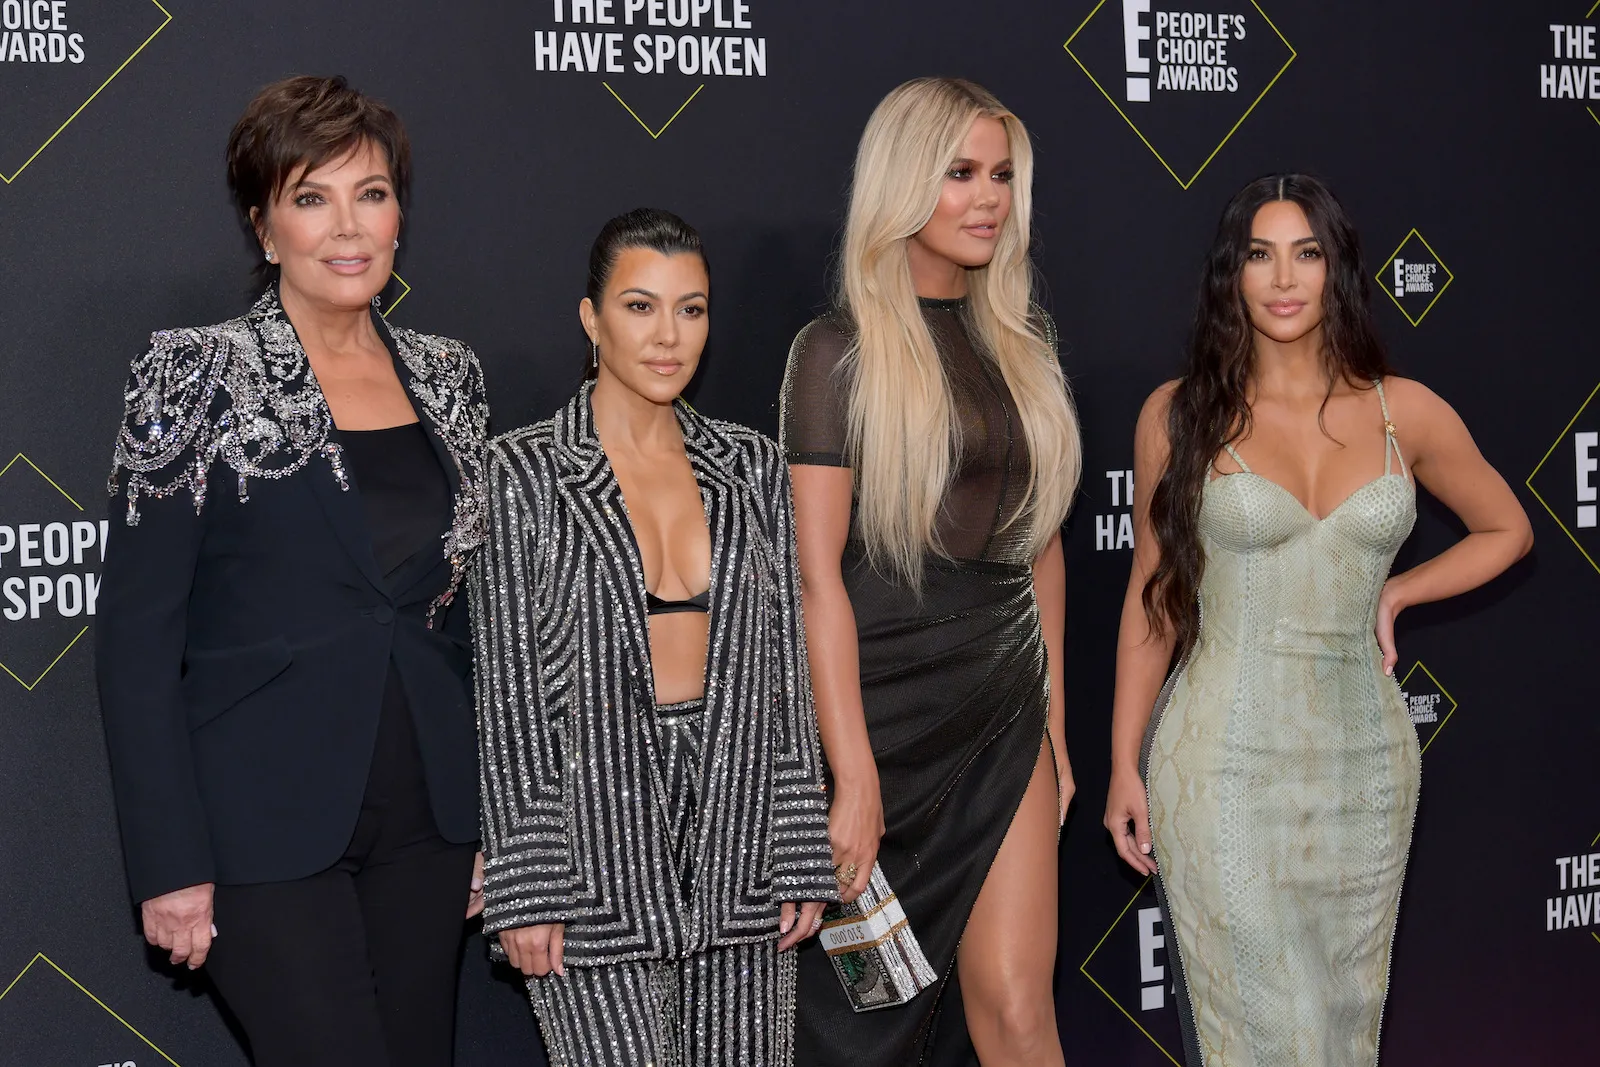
[(574, 824)]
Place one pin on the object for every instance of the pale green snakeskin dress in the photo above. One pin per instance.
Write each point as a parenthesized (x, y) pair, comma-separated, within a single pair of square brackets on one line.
[(1283, 774)]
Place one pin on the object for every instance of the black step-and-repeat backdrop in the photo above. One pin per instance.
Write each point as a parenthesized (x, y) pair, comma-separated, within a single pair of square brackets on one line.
[(1464, 138)]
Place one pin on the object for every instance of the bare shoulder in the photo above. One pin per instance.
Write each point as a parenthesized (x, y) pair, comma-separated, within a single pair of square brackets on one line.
[(1416, 409), (1150, 442), (1153, 415)]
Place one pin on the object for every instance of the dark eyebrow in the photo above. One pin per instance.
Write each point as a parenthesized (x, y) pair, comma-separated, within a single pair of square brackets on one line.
[(641, 292), (368, 180), (686, 297), (1295, 243)]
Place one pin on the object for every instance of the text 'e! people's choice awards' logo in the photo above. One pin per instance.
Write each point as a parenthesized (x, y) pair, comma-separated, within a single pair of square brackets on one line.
[(1570, 69), (654, 55), (1428, 704), (1567, 479), (50, 555), (1133, 965), (1184, 76), (1414, 277), (48, 1016), (55, 57)]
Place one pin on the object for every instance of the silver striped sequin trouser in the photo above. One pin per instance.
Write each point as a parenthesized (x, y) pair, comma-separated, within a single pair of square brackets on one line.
[(725, 1007)]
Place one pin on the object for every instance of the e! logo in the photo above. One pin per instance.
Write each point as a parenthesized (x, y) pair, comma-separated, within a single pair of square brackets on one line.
[(1572, 494)]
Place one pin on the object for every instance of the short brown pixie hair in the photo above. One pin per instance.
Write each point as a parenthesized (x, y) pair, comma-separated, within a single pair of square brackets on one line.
[(300, 123)]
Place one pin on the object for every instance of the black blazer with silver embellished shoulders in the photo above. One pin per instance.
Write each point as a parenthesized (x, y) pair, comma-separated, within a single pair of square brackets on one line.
[(245, 632), (574, 809)]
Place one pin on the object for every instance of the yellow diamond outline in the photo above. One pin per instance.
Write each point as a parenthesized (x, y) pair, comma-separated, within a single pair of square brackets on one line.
[(1557, 444), (29, 686), (1437, 730), (1083, 968), (81, 988), (1293, 55), (405, 291), (38, 151), (1596, 841), (1449, 276), (655, 135)]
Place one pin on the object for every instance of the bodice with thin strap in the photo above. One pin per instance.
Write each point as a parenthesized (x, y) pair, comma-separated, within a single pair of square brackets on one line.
[(1270, 562), (1391, 452)]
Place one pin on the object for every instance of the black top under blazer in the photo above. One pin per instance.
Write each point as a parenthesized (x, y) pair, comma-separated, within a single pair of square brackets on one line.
[(574, 805), (245, 631)]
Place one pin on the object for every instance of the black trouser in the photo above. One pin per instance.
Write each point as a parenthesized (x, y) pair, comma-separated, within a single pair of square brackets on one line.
[(355, 965)]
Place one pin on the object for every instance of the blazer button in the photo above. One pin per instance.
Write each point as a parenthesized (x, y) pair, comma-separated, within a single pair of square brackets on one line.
[(383, 615)]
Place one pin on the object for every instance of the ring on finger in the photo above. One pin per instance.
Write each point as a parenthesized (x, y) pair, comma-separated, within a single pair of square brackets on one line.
[(846, 873)]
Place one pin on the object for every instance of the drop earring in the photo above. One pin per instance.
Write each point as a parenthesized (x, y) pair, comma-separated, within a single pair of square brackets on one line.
[(594, 357)]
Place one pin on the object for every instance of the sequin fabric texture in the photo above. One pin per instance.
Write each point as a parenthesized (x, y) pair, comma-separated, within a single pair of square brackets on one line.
[(240, 396), (1283, 774), (578, 820), (725, 1007)]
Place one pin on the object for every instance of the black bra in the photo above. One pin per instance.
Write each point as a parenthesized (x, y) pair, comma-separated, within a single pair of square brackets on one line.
[(654, 605)]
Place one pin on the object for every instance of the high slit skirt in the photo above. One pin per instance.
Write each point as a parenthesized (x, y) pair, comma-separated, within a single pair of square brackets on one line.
[(955, 688)]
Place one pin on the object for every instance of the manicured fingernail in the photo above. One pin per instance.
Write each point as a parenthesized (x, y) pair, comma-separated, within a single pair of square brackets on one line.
[(784, 924), (477, 885), (1145, 848), (213, 929)]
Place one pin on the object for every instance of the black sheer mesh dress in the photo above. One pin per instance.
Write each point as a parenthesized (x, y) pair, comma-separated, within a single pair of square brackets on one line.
[(954, 685)]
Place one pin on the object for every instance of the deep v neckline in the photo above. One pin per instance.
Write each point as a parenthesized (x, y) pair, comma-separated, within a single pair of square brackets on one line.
[(1313, 516)]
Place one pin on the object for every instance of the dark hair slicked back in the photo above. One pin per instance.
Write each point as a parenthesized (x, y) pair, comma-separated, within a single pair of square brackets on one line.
[(643, 227)]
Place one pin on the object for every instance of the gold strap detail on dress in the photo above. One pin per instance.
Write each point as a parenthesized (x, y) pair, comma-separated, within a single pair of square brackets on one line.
[(1390, 440)]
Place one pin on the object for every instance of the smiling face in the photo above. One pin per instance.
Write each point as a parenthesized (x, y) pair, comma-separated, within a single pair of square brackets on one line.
[(332, 230), (973, 204), (1284, 273), (652, 322)]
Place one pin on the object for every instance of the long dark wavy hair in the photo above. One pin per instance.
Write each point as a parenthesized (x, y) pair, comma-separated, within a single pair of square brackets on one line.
[(1210, 406)]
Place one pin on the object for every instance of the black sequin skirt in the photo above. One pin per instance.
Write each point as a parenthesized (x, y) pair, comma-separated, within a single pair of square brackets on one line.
[(956, 693)]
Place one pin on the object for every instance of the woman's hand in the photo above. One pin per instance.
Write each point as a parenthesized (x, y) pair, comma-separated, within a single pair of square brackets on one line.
[(180, 922), (795, 932), (475, 892), (855, 825), (535, 950), (1389, 607), (1126, 803)]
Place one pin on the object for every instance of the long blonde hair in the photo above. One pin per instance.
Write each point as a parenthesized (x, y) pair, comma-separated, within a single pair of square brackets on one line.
[(899, 397)]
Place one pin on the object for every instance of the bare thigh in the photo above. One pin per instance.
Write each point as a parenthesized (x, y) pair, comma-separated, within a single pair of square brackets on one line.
[(1008, 951)]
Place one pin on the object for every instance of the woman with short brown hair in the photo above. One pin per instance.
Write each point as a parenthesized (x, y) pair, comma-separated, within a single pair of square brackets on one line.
[(284, 668)]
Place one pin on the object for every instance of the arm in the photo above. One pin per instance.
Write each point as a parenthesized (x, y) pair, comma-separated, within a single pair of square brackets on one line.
[(1446, 461), (527, 885), (802, 855), (1142, 657), (1050, 590), (153, 547), (822, 522)]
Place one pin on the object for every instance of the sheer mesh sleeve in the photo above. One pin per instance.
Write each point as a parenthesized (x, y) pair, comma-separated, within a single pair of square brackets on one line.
[(812, 406)]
